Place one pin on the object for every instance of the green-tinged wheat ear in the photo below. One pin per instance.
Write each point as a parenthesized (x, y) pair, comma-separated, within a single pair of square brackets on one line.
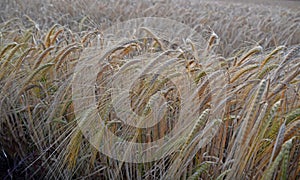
[(265, 125), (269, 119), (284, 166), (251, 52), (5, 71), (199, 76), (272, 131), (285, 150), (42, 56), (266, 60), (243, 71), (252, 111), (203, 86), (31, 76), (47, 41), (64, 55), (198, 141), (263, 72), (202, 168), (73, 149), (286, 81), (292, 130), (279, 141), (200, 122), (295, 114), (7, 47)]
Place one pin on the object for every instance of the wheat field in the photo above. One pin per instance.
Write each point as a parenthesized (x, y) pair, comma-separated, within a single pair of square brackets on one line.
[(220, 80)]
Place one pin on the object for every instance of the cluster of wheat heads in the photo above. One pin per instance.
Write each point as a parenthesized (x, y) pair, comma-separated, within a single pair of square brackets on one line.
[(257, 136), (36, 70)]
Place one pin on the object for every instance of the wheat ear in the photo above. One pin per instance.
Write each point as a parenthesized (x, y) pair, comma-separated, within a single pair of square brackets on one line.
[(7, 47), (285, 150), (64, 55), (243, 71), (73, 149), (275, 51), (42, 56), (157, 39), (47, 41), (30, 77), (263, 72), (200, 122), (12, 53), (251, 52), (279, 141)]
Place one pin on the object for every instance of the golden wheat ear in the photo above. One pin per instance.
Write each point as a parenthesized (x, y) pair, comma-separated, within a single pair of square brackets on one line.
[(7, 47), (6, 62), (42, 56), (213, 40), (255, 50), (73, 148), (271, 55), (155, 37), (47, 41)]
